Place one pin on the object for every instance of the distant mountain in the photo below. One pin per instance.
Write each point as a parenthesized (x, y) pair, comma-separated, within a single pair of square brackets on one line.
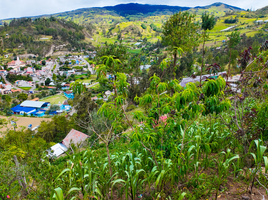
[(135, 8), (129, 12), (218, 4)]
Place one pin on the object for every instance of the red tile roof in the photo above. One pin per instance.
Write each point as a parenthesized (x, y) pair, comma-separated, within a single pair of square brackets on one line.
[(35, 99), (49, 87), (75, 137), (68, 92), (18, 90), (65, 102)]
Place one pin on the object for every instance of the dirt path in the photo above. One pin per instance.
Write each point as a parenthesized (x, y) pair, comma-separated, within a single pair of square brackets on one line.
[(50, 51)]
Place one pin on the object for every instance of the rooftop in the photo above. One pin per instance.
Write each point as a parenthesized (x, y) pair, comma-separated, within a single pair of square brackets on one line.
[(18, 109), (57, 150), (34, 104), (75, 137)]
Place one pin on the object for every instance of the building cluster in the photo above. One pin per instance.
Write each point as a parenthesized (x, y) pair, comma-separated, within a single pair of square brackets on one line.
[(7, 89), (15, 65)]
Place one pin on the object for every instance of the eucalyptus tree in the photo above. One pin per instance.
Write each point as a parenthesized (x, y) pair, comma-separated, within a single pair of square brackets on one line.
[(208, 23), (180, 34)]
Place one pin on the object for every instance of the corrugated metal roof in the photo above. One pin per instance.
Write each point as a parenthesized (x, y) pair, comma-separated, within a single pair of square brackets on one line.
[(75, 137), (57, 150), (18, 109), (33, 104), (197, 78)]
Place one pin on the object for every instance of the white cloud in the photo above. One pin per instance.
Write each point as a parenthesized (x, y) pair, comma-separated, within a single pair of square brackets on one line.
[(20, 8)]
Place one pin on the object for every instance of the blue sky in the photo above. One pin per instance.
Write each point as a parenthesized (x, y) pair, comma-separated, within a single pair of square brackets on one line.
[(21, 8)]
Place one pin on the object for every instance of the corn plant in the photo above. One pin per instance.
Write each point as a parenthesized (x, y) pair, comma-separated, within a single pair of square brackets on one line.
[(258, 157), (150, 177), (104, 180), (81, 174), (131, 176), (58, 194), (166, 175), (223, 169)]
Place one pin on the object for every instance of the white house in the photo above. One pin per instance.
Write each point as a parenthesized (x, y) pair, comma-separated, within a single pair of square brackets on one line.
[(258, 22)]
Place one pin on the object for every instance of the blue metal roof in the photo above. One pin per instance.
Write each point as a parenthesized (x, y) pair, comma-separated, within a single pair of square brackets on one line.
[(38, 112), (18, 108)]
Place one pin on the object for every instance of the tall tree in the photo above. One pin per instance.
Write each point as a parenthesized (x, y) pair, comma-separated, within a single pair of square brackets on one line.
[(180, 34), (234, 39), (78, 87), (47, 81), (54, 77), (208, 23), (22, 96)]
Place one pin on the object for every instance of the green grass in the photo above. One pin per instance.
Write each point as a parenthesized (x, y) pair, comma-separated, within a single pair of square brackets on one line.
[(55, 99), (95, 87), (48, 38), (88, 80), (135, 51), (25, 88)]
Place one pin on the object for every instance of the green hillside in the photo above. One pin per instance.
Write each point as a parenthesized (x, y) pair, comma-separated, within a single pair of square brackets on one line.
[(262, 11)]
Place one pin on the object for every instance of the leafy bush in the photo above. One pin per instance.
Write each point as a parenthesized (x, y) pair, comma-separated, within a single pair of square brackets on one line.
[(143, 26)]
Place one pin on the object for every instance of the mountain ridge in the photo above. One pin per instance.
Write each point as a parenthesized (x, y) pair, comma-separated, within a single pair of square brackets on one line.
[(131, 9)]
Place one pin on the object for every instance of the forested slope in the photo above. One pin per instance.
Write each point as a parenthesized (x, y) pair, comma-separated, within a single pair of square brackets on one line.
[(36, 36)]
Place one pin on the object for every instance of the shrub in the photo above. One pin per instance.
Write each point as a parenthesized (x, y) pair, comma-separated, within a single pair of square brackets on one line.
[(130, 107)]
